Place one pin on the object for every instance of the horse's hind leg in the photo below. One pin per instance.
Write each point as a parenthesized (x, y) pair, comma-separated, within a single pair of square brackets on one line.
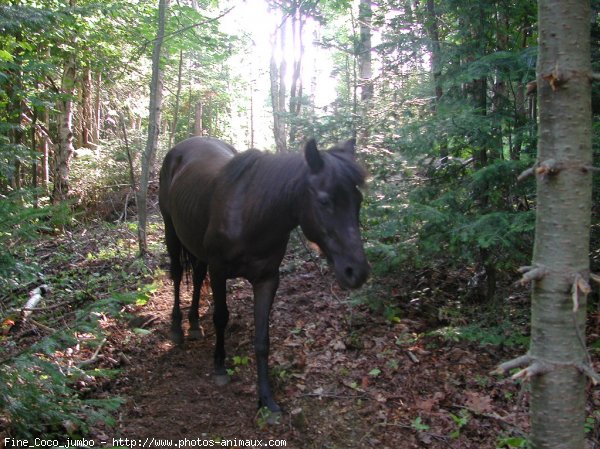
[(174, 248), (220, 319), (199, 273)]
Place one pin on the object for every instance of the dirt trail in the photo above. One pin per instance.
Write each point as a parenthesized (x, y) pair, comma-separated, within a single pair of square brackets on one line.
[(346, 378)]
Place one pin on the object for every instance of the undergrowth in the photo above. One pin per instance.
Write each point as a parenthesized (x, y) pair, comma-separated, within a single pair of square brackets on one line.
[(53, 372)]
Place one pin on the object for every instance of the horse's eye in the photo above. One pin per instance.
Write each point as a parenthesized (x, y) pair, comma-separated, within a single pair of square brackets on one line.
[(324, 200)]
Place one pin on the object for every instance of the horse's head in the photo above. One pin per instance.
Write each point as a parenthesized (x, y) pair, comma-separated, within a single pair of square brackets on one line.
[(331, 208)]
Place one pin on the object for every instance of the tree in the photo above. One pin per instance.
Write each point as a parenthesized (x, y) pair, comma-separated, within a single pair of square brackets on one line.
[(149, 154), (365, 67), (64, 149), (557, 360), (277, 74)]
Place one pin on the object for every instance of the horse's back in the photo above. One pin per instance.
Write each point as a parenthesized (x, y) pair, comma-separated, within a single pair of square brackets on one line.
[(206, 155), (186, 181)]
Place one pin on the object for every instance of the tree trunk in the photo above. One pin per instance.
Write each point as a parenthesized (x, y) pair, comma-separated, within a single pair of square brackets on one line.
[(298, 21), (45, 152), (435, 49), (63, 151), (149, 153), (97, 113), (278, 110), (431, 25), (365, 67), (198, 130), (561, 246), (251, 118), (87, 116), (177, 100)]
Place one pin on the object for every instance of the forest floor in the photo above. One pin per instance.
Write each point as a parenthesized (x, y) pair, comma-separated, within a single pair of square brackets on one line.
[(346, 375), (378, 368)]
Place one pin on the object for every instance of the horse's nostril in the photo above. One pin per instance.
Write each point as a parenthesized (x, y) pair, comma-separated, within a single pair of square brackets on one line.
[(349, 272)]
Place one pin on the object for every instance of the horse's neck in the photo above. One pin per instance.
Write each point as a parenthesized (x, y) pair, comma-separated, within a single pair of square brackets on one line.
[(282, 187), (265, 201)]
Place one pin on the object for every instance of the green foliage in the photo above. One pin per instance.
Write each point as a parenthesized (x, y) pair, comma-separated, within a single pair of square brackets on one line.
[(20, 224), (41, 400), (419, 425), (40, 394), (460, 420), (510, 442), (505, 334)]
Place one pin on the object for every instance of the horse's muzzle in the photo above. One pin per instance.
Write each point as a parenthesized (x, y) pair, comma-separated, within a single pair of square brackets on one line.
[(352, 275)]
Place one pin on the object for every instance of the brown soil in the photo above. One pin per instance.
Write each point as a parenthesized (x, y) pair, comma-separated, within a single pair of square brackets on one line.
[(345, 377)]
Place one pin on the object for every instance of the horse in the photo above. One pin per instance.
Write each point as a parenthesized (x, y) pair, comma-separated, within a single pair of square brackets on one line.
[(231, 214)]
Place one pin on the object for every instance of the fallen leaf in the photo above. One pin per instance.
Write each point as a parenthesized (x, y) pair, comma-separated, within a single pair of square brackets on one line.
[(365, 382), (338, 345), (426, 404), (478, 403)]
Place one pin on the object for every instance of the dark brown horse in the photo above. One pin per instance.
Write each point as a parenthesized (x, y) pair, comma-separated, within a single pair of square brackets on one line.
[(231, 214)]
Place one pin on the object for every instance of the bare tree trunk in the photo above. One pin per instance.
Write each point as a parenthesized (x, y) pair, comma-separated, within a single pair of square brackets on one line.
[(149, 153), (365, 67), (251, 117), (298, 21), (276, 92), (562, 225), (45, 151), (177, 100), (63, 152), (431, 25), (557, 359), (198, 129), (435, 48), (97, 112), (87, 116)]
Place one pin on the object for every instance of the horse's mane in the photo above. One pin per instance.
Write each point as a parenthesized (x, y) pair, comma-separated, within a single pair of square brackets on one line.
[(270, 179)]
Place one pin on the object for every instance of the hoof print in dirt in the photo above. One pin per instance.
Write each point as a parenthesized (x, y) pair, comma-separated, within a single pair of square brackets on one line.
[(266, 417), (221, 379)]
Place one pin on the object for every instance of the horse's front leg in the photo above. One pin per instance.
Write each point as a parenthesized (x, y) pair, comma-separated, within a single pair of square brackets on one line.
[(264, 292), (220, 319)]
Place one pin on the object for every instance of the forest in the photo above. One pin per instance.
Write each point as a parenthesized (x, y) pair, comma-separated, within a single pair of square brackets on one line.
[(478, 123)]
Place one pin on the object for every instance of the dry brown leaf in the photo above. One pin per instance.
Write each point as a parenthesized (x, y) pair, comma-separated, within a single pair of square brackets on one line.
[(479, 403)]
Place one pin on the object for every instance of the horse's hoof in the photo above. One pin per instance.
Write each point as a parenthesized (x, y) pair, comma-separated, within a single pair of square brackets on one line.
[(195, 334), (220, 379), (177, 337), (266, 417)]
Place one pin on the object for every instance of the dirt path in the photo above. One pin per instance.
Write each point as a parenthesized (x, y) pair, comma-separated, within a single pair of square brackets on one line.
[(345, 377)]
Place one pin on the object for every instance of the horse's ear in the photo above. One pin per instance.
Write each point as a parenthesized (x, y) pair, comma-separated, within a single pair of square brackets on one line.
[(313, 156), (349, 146)]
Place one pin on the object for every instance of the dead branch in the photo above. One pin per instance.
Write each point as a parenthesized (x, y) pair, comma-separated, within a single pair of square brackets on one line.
[(519, 362), (589, 371), (35, 296), (42, 326), (95, 357), (526, 173), (532, 273)]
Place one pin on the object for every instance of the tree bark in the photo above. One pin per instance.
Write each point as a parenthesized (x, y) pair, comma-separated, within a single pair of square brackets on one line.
[(561, 246), (87, 116), (298, 21), (365, 66), (63, 152), (149, 154), (277, 92), (177, 100), (97, 112), (198, 119), (431, 26)]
